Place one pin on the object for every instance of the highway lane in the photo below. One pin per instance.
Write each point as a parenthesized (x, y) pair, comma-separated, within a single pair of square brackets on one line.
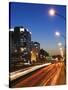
[(45, 76), (22, 72)]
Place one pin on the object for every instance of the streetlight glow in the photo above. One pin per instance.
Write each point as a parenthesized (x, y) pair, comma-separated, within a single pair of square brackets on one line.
[(27, 30), (15, 50), (52, 12), (57, 33), (59, 44), (61, 49)]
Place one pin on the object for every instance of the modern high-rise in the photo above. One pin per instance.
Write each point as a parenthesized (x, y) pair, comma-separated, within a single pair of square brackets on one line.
[(20, 45), (22, 38)]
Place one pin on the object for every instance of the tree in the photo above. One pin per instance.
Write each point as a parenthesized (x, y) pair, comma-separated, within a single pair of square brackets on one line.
[(42, 55), (57, 56), (43, 52)]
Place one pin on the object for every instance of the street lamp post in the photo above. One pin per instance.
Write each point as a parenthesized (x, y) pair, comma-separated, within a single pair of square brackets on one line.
[(58, 34), (59, 44), (52, 12)]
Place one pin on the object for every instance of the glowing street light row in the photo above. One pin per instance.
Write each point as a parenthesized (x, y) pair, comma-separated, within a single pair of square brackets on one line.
[(59, 44)]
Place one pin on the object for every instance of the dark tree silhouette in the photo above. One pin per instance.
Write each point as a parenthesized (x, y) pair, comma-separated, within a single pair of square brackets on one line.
[(43, 52), (42, 55)]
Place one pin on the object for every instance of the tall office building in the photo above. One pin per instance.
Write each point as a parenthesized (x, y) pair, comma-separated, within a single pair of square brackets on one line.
[(20, 43), (22, 38)]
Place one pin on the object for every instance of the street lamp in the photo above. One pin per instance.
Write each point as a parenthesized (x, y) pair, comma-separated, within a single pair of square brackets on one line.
[(52, 12), (30, 33), (15, 50), (59, 44), (57, 33)]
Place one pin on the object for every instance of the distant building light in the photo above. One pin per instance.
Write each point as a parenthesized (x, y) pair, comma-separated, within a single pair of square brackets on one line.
[(11, 29), (37, 54), (27, 63), (31, 52), (21, 39), (36, 47), (44, 56), (41, 55), (22, 29), (15, 50), (27, 30), (25, 52), (22, 49), (24, 59), (30, 33), (35, 44)]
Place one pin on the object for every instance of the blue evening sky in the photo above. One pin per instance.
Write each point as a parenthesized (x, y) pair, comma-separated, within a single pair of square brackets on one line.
[(35, 17)]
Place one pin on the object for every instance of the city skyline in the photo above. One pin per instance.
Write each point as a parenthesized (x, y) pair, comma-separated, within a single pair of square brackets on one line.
[(35, 17)]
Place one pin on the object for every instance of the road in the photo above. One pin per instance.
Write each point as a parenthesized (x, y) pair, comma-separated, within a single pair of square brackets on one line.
[(53, 74)]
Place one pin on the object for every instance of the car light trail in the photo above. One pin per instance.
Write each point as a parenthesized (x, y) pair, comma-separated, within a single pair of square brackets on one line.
[(19, 74)]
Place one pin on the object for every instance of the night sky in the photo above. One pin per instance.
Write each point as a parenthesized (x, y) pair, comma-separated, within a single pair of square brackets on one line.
[(36, 18)]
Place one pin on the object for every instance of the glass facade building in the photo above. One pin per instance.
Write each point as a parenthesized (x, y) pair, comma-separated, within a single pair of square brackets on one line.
[(20, 46)]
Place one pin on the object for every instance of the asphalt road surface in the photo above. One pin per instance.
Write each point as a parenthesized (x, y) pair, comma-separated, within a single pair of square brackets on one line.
[(53, 74)]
